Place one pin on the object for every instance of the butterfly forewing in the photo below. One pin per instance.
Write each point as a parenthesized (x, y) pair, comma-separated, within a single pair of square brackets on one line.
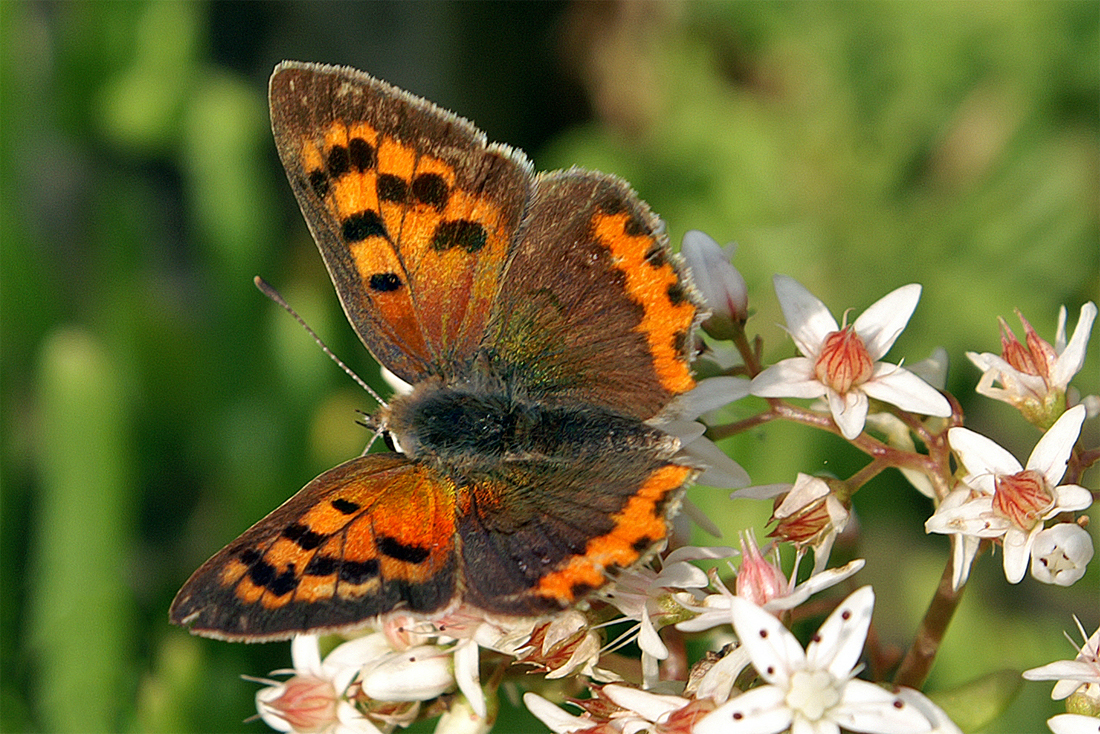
[(412, 210)]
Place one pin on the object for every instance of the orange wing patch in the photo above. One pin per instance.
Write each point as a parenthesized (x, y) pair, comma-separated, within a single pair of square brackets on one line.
[(428, 251), (668, 311)]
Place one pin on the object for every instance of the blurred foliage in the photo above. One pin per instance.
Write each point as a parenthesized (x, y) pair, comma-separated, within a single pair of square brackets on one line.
[(154, 405)]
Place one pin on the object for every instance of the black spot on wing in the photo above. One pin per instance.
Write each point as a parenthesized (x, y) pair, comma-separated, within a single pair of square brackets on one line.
[(305, 538), (358, 572), (468, 235), (321, 565), (384, 282), (361, 154), (635, 226), (318, 181), (344, 506), (263, 574), (400, 551), (392, 188), (363, 225), (338, 162), (656, 257), (431, 189)]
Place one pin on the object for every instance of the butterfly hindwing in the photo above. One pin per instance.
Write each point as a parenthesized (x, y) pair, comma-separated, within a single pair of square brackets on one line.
[(539, 536), (595, 308), (374, 534), (414, 213)]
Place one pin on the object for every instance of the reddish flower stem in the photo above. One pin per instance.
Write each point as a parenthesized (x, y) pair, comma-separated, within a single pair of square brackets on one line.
[(918, 659)]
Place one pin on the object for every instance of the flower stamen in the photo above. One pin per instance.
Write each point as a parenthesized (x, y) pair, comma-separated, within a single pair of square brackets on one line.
[(844, 361), (1022, 498)]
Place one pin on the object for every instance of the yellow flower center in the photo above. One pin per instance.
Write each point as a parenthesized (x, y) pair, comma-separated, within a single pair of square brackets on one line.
[(812, 693)]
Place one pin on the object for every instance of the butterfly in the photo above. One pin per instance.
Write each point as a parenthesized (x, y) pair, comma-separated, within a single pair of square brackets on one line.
[(545, 327)]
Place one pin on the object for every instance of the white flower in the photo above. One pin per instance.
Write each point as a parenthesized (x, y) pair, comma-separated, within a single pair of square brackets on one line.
[(415, 674), (763, 583), (1083, 671), (564, 645), (1060, 554), (315, 698), (842, 363), (810, 516), (1034, 378), (812, 690), (643, 594), (719, 283), (1001, 499)]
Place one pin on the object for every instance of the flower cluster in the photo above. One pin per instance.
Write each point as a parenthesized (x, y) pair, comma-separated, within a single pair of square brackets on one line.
[(758, 676)]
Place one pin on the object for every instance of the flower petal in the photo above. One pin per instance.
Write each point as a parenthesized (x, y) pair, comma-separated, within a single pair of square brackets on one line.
[(898, 386), (466, 675), (839, 641), (709, 394), (849, 412), (1052, 452), (1074, 670), (721, 470), (1017, 552), (866, 707), (1072, 724), (351, 721), (557, 720), (417, 674), (941, 723), (1072, 359), (980, 455), (774, 650), (651, 706), (932, 370), (789, 378), (759, 711), (1070, 497), (964, 549), (305, 651), (649, 640), (882, 323), (808, 320), (717, 683)]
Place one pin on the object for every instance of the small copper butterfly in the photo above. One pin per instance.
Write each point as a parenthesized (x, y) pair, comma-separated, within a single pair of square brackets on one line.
[(545, 327)]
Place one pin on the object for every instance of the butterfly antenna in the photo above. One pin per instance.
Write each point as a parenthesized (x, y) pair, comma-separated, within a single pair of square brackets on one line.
[(268, 290)]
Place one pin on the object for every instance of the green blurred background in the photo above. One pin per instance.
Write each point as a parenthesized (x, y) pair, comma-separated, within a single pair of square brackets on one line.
[(155, 405)]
